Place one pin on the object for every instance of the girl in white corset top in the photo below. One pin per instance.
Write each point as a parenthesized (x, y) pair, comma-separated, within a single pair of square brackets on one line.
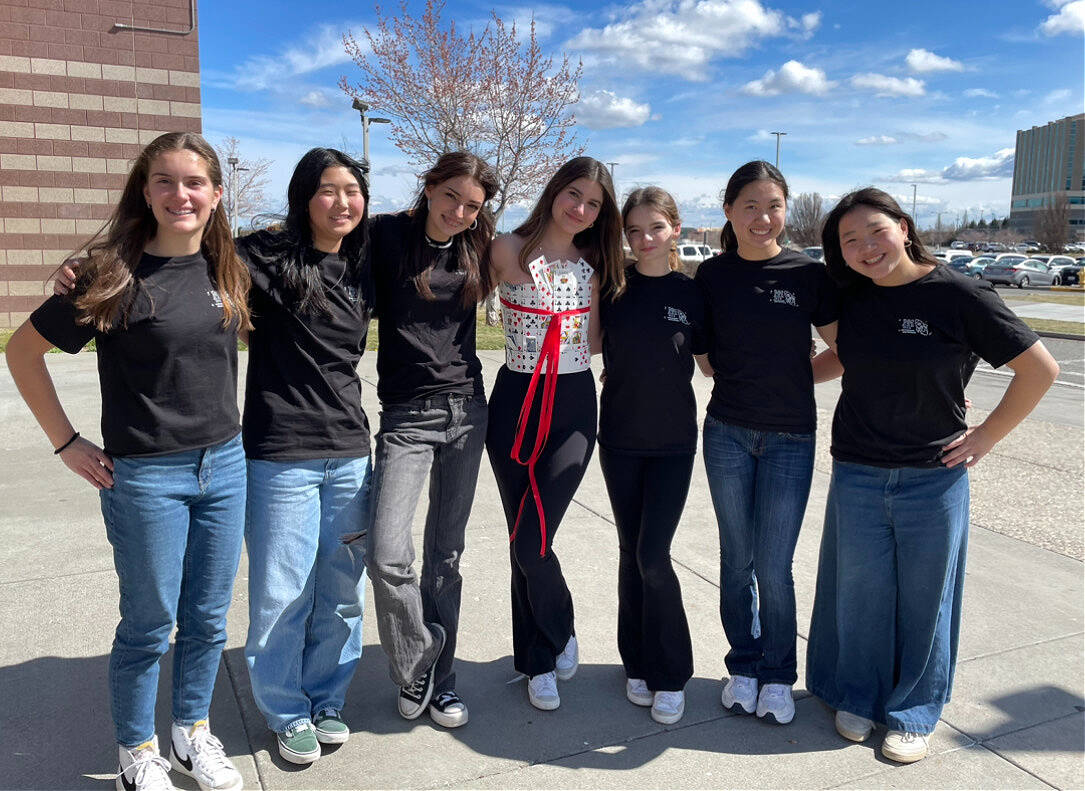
[(550, 273)]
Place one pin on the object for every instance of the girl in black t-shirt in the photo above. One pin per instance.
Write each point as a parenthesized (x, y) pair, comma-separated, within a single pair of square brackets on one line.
[(550, 273), (759, 431), (647, 441), (429, 276), (307, 442), (163, 294), (886, 618)]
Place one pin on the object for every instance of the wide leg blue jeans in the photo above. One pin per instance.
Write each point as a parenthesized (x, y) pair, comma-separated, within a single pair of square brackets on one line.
[(887, 612), (305, 530)]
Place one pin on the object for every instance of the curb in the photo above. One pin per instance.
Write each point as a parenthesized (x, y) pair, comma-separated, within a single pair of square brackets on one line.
[(1066, 336)]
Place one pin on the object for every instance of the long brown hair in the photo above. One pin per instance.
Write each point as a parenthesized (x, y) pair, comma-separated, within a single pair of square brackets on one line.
[(661, 201), (880, 201), (758, 170), (106, 283), (602, 241), (471, 244)]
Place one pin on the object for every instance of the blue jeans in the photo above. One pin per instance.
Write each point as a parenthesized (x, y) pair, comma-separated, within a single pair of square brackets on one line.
[(175, 523), (887, 612), (759, 482), (438, 440), (304, 528)]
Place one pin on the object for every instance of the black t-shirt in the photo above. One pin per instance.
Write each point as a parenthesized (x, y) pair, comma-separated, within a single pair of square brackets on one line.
[(426, 347), (650, 334), (168, 373), (302, 393), (908, 352), (759, 317)]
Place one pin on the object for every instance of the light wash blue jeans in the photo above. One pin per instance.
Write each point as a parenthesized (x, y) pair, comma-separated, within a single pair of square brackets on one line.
[(887, 612), (305, 531), (759, 482), (175, 523)]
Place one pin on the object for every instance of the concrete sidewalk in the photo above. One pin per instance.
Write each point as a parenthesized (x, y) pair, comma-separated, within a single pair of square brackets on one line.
[(1016, 720)]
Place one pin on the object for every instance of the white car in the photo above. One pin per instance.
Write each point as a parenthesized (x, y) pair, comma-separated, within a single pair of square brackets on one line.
[(693, 253)]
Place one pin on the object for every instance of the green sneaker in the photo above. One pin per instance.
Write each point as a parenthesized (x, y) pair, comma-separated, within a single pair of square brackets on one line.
[(330, 728), (298, 744)]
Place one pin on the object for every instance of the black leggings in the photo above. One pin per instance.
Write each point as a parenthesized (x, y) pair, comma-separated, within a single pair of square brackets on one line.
[(647, 494), (542, 609)]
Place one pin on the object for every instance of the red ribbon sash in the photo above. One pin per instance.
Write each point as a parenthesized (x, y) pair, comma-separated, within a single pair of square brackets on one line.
[(550, 356)]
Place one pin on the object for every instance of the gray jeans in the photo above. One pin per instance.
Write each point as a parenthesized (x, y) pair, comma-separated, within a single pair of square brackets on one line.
[(440, 438)]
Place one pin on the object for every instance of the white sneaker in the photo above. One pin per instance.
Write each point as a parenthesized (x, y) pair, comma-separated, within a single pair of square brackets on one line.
[(668, 707), (637, 691), (196, 752), (852, 726), (775, 702), (566, 663), (739, 694), (542, 691), (142, 768), (904, 747)]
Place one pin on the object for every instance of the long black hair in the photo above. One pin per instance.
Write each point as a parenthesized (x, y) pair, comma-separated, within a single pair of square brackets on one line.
[(601, 241), (470, 245), (289, 255), (880, 201), (758, 170)]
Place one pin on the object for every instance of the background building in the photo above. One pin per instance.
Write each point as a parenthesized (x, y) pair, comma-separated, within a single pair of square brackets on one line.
[(1048, 164), (83, 85)]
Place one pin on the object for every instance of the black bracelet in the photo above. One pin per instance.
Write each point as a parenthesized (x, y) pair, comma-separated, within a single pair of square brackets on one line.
[(63, 447)]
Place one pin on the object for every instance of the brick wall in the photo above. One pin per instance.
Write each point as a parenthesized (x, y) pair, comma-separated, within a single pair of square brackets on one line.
[(77, 102)]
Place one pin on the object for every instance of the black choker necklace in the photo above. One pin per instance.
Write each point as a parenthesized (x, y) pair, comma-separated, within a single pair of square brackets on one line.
[(438, 245)]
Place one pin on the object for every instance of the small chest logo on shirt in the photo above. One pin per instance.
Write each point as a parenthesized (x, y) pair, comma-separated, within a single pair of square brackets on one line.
[(352, 293), (781, 296), (914, 327), (674, 314), (216, 300)]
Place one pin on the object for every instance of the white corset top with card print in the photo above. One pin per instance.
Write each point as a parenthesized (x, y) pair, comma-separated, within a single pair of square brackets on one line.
[(557, 287)]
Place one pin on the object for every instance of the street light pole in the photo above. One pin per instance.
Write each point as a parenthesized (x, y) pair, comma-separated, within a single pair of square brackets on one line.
[(612, 165), (363, 108), (778, 136), (913, 203), (234, 169)]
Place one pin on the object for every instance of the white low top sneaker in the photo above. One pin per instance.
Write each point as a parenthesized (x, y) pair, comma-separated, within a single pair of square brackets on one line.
[(566, 663), (196, 752), (637, 691), (775, 702), (542, 691), (904, 747), (142, 768), (852, 726), (668, 707), (739, 694)]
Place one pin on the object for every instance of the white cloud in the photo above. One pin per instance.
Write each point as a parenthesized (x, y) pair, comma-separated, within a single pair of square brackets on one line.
[(316, 98), (998, 166), (924, 61), (883, 85), (320, 49), (682, 37), (975, 93), (877, 140), (1069, 19), (793, 77), (607, 110)]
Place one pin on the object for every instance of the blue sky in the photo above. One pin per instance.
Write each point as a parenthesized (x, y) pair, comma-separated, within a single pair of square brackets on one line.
[(679, 94)]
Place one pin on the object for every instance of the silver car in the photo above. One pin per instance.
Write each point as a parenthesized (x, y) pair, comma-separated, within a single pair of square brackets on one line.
[(1022, 274)]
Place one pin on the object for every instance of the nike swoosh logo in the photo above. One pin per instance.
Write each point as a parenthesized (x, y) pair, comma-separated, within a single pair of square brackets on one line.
[(129, 785), (185, 762)]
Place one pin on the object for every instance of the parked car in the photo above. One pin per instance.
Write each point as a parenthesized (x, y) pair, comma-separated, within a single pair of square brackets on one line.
[(1027, 246), (1059, 264), (1070, 275), (975, 268), (958, 245), (1029, 272), (692, 254), (994, 247), (814, 252)]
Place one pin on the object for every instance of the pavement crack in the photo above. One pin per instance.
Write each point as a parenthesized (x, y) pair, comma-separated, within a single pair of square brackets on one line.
[(1023, 541), (57, 576), (244, 726), (1020, 647)]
